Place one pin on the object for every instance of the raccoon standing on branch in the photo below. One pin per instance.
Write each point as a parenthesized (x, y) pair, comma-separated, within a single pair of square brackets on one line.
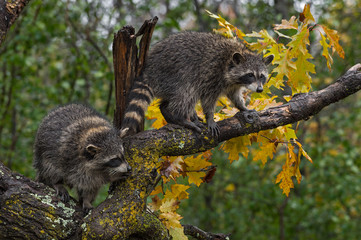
[(191, 66)]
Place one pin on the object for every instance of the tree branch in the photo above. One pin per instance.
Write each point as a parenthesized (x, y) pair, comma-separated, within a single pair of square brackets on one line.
[(31, 210), (173, 140), (202, 235)]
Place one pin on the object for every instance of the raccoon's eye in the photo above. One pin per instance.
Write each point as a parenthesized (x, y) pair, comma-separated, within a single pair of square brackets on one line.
[(114, 162), (250, 75)]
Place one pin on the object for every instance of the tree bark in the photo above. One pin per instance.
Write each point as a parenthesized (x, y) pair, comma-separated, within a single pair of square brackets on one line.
[(32, 210), (9, 12), (128, 63)]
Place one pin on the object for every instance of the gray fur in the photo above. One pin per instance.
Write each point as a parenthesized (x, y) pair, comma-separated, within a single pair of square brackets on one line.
[(191, 66), (77, 147)]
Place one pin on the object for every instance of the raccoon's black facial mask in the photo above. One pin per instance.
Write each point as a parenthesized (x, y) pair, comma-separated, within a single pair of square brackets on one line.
[(114, 162), (246, 79), (263, 79)]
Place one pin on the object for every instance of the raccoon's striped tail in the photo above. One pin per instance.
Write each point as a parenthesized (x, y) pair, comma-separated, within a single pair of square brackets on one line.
[(138, 101)]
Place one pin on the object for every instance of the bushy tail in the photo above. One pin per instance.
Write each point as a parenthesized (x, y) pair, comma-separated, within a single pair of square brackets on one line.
[(138, 101)]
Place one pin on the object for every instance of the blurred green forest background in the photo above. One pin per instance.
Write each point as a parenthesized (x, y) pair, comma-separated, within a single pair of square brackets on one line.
[(60, 51)]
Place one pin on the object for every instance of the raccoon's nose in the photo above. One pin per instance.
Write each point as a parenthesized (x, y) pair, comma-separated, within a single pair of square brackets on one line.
[(259, 89), (129, 168)]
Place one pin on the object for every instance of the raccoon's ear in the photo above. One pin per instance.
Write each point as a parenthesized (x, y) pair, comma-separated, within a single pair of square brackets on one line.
[(92, 149), (268, 60), (237, 58)]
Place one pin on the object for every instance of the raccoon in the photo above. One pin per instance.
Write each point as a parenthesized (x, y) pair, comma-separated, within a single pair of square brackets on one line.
[(78, 147), (191, 66)]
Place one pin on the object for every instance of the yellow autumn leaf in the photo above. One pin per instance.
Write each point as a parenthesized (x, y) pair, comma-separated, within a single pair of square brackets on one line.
[(285, 178), (171, 166), (196, 163), (285, 66), (195, 177), (277, 50), (153, 112), (306, 16), (178, 191), (287, 97), (230, 187), (292, 157), (261, 103), (264, 152), (235, 146), (169, 205), (289, 132), (264, 41), (227, 28), (296, 171), (299, 42), (333, 37), (325, 52), (171, 219), (301, 79), (304, 153), (177, 233), (157, 189), (155, 204), (230, 112), (291, 24)]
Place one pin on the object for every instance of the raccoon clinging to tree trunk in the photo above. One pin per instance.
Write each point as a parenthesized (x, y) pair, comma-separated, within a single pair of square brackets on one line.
[(77, 147), (191, 66)]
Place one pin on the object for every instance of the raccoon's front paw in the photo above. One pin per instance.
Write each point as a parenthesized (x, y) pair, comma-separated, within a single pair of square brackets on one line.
[(86, 210), (62, 192), (64, 196), (214, 129)]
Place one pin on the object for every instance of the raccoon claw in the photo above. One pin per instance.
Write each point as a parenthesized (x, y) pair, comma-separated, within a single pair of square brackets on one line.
[(62, 193), (214, 129), (86, 210), (64, 197), (199, 124)]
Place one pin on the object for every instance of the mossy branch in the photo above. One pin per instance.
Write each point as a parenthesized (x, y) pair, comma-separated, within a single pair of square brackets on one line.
[(172, 140)]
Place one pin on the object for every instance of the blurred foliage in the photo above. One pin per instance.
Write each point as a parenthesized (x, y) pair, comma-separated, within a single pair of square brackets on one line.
[(60, 51)]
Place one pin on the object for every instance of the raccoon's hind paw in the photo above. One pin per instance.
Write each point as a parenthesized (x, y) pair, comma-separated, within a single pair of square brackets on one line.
[(199, 124), (191, 125), (214, 129)]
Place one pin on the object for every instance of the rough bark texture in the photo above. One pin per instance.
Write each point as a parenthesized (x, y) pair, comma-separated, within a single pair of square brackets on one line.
[(32, 210), (128, 63), (9, 12)]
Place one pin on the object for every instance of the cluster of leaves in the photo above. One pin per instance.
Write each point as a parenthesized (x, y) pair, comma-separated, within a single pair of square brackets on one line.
[(292, 68)]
